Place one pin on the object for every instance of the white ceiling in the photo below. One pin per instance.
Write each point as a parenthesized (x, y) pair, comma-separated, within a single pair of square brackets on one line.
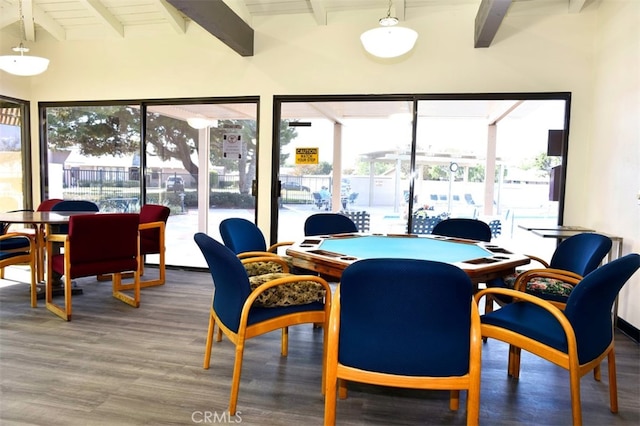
[(90, 19), (66, 20)]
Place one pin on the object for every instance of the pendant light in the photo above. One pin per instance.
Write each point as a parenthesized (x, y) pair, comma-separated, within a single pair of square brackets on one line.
[(388, 40), (21, 64)]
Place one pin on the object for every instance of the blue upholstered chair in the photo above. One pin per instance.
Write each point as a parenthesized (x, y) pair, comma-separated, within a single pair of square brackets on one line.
[(404, 323), (245, 239), (17, 248), (72, 206), (95, 245), (577, 339), (471, 229), (328, 223), (243, 309), (574, 258)]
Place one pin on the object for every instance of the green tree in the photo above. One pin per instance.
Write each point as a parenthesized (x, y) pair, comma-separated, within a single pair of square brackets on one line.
[(543, 163), (115, 130)]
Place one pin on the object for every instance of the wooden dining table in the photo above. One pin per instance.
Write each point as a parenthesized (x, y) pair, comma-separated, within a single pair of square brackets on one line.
[(39, 221)]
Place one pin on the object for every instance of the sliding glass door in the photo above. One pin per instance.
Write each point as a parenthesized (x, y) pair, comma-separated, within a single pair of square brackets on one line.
[(174, 153), (496, 158)]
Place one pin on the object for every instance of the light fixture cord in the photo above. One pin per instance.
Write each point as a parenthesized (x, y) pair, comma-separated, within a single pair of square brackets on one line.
[(388, 10)]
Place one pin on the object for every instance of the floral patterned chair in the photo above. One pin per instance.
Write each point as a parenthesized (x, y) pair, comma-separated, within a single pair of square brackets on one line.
[(574, 258)]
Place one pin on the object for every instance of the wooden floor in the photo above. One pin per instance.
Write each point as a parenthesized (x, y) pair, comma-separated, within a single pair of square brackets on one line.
[(116, 365)]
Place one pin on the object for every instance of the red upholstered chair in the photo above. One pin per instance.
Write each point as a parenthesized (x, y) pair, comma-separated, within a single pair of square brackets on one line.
[(95, 244), (47, 205), (153, 220)]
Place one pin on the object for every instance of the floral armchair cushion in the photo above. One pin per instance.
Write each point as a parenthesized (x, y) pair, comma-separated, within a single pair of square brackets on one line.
[(261, 268), (296, 293), (542, 285)]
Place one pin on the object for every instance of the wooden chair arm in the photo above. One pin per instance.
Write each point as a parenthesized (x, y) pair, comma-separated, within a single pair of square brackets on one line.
[(61, 238), (151, 225), (520, 296), (568, 277), (249, 254), (248, 304), (15, 234), (268, 258), (538, 259), (274, 247)]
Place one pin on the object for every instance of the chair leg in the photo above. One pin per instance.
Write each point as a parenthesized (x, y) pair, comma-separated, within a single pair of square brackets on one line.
[(342, 389), (513, 369), (454, 399), (284, 344), (34, 287), (597, 373), (574, 383), (207, 348), (613, 381), (235, 383), (330, 396)]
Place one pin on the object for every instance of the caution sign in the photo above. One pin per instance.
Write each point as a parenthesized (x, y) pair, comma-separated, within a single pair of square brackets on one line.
[(307, 155)]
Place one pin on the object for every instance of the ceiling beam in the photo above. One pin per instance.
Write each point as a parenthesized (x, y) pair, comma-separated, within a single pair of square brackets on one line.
[(488, 20), (102, 13), (49, 24), (319, 11), (221, 21), (400, 9), (575, 6), (27, 17), (176, 21)]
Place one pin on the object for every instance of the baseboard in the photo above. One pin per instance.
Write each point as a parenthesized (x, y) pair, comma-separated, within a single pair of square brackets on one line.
[(629, 330)]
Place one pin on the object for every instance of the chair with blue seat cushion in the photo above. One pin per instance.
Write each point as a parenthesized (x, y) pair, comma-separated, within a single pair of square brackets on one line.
[(577, 339), (243, 310), (246, 240), (470, 229), (18, 248), (328, 223), (72, 206), (404, 323), (574, 258)]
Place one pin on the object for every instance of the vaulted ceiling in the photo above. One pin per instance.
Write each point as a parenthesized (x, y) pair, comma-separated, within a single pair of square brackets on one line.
[(229, 20)]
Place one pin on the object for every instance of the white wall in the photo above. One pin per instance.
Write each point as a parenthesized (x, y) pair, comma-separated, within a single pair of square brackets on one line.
[(612, 171), (540, 47)]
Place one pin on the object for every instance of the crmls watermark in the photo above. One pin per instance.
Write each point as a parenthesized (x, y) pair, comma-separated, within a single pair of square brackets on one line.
[(211, 417)]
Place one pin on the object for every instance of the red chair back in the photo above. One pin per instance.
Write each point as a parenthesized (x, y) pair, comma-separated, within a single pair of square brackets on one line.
[(101, 244), (46, 205), (150, 238)]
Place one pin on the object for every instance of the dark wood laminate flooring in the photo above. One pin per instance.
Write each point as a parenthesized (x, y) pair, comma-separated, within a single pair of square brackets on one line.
[(116, 365)]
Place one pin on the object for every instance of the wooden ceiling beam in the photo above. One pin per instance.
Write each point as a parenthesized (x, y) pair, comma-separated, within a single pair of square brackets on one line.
[(221, 21), (488, 19), (319, 11), (576, 6), (102, 13)]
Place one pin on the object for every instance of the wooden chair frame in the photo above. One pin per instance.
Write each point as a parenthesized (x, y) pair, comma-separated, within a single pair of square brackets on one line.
[(29, 258), (161, 263), (568, 361), (338, 374), (65, 310), (246, 332)]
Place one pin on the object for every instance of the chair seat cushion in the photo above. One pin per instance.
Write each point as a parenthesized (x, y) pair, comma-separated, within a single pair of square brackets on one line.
[(547, 288), (297, 293), (261, 268)]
